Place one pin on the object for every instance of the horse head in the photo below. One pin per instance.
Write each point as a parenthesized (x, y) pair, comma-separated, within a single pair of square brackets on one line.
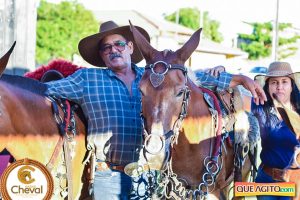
[(165, 89), (182, 127), (5, 58)]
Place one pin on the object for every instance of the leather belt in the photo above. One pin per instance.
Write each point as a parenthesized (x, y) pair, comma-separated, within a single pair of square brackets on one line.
[(275, 173), (102, 166)]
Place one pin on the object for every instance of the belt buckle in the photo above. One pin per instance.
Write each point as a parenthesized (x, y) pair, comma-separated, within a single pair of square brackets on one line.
[(114, 167), (102, 166), (277, 174)]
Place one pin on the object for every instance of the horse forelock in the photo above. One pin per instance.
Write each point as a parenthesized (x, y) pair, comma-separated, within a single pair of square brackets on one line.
[(25, 83), (170, 57), (166, 51)]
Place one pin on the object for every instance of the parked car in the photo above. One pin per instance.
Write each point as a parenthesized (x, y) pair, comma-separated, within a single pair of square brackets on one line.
[(255, 71)]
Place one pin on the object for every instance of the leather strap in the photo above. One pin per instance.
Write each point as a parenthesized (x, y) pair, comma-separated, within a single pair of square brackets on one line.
[(68, 162), (55, 154), (102, 166), (275, 173)]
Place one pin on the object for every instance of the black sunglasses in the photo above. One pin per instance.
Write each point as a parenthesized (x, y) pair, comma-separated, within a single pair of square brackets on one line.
[(119, 45)]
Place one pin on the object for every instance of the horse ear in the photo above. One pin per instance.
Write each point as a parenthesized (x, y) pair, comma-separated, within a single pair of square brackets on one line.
[(5, 58), (190, 46), (143, 45)]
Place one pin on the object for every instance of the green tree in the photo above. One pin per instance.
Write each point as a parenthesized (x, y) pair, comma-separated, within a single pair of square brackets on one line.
[(259, 43), (190, 17), (59, 29)]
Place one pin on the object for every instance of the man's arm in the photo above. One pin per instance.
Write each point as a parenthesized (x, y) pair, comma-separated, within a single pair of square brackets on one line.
[(256, 90), (70, 88), (215, 71), (225, 80)]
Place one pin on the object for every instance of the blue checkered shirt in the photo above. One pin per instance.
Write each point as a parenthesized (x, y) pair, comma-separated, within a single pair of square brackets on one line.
[(113, 115)]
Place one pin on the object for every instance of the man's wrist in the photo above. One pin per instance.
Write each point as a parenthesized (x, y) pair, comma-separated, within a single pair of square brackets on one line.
[(237, 79)]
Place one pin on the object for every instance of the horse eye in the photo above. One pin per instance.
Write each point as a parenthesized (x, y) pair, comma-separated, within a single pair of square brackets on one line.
[(141, 92), (180, 93)]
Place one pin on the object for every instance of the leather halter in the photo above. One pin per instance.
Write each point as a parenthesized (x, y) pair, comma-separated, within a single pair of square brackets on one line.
[(172, 134)]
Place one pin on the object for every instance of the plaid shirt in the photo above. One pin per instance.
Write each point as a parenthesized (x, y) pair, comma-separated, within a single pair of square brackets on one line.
[(216, 84), (113, 115)]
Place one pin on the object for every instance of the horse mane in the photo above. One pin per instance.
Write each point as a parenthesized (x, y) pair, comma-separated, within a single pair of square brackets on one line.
[(28, 84)]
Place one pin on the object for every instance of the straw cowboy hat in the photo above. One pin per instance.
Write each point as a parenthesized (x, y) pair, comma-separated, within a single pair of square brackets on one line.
[(278, 69), (89, 46)]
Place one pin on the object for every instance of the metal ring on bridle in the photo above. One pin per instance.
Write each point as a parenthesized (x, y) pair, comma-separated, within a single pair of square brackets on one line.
[(167, 66), (212, 165), (151, 151), (203, 188), (208, 179)]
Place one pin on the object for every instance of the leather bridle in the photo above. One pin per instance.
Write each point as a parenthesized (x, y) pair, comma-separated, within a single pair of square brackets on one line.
[(156, 80)]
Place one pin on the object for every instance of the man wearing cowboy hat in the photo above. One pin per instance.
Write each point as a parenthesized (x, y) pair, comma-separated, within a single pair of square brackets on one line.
[(110, 99)]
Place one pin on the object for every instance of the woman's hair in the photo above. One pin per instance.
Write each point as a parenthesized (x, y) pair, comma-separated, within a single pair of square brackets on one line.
[(295, 98)]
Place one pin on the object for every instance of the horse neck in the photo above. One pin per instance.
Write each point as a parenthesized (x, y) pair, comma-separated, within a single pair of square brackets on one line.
[(194, 139), (197, 125), (197, 106)]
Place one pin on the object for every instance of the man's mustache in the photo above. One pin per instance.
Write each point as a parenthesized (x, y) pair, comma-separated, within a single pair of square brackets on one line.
[(114, 55)]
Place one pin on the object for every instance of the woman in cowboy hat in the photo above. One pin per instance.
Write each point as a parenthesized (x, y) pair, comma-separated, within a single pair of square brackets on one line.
[(278, 137), (110, 99)]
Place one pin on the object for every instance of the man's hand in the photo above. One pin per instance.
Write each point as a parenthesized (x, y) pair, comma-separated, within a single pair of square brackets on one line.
[(256, 90), (215, 71)]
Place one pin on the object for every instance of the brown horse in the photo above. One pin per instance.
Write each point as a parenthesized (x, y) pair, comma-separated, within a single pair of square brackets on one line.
[(182, 129), (28, 130)]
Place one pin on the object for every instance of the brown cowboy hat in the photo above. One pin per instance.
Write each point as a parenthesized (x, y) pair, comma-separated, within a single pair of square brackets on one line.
[(278, 69), (89, 46)]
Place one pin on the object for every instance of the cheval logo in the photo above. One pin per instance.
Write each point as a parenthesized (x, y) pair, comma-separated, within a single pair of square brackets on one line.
[(24, 175), (26, 179)]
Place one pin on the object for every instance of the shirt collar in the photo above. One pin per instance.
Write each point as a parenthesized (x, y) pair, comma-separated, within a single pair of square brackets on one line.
[(138, 71)]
